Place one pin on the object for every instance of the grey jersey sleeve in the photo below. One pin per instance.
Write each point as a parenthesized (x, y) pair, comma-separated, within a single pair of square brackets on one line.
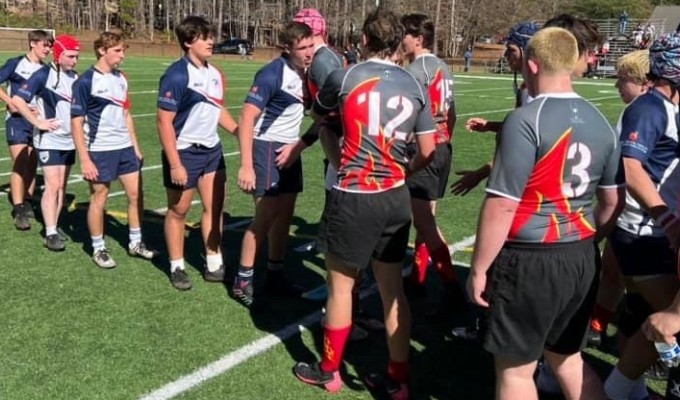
[(425, 121), (614, 173), (328, 98), (515, 157), (322, 67)]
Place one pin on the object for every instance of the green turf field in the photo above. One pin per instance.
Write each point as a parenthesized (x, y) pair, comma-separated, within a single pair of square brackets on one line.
[(69, 330)]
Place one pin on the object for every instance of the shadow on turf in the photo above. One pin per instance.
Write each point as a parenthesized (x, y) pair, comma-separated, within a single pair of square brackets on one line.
[(441, 367)]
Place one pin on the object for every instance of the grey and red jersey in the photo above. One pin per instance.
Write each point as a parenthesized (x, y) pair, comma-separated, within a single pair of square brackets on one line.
[(324, 62), (551, 157), (381, 105), (435, 76)]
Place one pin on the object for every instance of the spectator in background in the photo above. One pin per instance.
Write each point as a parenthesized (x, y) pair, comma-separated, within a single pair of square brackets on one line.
[(623, 22), (468, 59)]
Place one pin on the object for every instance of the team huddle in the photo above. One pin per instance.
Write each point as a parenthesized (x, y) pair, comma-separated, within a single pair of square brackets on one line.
[(562, 181)]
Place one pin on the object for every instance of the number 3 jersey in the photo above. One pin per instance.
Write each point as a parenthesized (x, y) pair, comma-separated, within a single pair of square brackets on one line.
[(381, 106), (551, 156)]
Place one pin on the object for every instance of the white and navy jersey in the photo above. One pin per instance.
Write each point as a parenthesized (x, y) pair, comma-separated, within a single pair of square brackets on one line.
[(278, 90), (102, 99), (649, 134), (436, 78), (52, 93), (16, 72), (381, 106), (196, 95), (551, 157)]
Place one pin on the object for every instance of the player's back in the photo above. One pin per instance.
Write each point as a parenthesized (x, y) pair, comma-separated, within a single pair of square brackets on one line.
[(575, 151), (433, 73), (381, 106)]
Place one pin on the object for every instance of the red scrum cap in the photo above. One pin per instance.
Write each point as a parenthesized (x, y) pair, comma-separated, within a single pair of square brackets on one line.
[(312, 17), (62, 43)]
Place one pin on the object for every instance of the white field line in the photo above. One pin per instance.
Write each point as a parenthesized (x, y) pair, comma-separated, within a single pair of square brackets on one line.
[(504, 78), (250, 350)]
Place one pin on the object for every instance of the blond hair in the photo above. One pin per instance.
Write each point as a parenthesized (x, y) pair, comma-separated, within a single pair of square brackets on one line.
[(554, 49), (635, 66)]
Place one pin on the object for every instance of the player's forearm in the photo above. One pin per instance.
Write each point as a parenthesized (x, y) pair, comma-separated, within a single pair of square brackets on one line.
[(330, 145), (424, 153), (22, 107), (494, 126), (5, 97), (166, 135), (131, 129), (451, 120), (311, 136), (642, 188), (495, 220), (246, 132), (78, 135), (227, 122), (610, 203)]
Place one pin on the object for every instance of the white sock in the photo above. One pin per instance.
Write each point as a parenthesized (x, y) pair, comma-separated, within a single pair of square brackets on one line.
[(639, 391), (98, 243), (176, 264), (214, 261), (135, 236), (617, 386), (50, 230)]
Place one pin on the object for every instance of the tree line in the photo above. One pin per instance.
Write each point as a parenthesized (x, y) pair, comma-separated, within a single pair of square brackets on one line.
[(458, 22)]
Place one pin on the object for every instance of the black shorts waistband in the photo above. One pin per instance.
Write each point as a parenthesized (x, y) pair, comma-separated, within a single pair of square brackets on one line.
[(548, 246)]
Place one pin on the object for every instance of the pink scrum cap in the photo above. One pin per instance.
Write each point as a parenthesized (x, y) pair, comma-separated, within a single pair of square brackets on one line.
[(312, 18)]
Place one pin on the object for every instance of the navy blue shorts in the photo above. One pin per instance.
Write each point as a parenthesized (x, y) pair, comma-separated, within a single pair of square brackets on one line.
[(114, 163), (18, 131), (197, 160), (48, 157), (642, 255), (269, 179)]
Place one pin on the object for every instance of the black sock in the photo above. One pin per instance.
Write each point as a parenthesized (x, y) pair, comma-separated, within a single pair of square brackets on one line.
[(245, 274)]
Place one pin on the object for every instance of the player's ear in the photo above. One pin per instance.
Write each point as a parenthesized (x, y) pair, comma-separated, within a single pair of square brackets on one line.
[(532, 66)]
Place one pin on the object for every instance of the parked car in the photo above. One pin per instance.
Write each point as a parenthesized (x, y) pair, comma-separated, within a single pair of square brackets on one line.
[(232, 46)]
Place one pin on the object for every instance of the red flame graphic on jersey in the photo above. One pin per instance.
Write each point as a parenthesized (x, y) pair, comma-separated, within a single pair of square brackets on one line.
[(434, 90), (545, 187), (380, 171)]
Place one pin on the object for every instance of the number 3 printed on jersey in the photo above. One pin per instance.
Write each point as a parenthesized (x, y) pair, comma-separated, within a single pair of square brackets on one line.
[(375, 108), (580, 154)]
